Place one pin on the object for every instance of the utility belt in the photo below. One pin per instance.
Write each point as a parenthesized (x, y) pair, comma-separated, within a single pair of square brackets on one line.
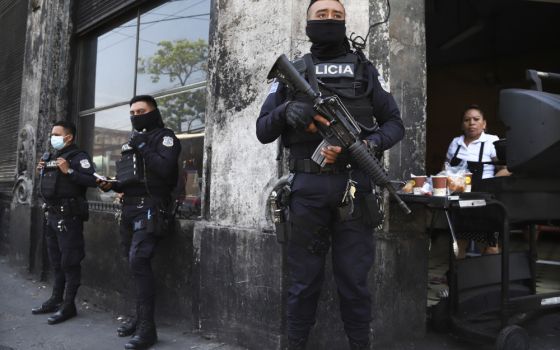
[(160, 221), (68, 207), (142, 200), (308, 166)]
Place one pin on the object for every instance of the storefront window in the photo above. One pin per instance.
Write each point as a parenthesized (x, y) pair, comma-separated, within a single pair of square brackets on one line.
[(114, 77), (163, 52)]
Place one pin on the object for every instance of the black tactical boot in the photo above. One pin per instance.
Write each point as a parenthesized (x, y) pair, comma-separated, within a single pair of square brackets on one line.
[(297, 344), (68, 308), (66, 311), (51, 305), (127, 328), (146, 334)]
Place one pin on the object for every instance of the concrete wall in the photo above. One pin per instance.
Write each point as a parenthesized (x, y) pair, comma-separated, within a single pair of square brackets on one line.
[(44, 98), (400, 271)]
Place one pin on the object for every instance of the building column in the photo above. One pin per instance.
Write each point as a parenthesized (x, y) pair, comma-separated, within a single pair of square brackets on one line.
[(44, 98)]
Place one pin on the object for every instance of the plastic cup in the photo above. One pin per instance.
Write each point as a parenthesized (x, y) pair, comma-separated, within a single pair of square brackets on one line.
[(440, 185), (468, 182), (419, 182)]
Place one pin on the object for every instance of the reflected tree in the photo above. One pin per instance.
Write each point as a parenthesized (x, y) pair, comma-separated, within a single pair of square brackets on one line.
[(180, 61)]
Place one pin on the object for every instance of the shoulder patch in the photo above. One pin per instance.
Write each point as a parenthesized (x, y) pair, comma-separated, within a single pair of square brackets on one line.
[(383, 83), (85, 163), (274, 87), (168, 141)]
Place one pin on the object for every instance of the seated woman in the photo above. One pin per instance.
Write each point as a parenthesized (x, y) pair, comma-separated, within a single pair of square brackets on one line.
[(476, 148)]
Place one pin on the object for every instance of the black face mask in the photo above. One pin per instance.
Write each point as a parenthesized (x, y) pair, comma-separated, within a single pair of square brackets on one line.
[(328, 37), (147, 121)]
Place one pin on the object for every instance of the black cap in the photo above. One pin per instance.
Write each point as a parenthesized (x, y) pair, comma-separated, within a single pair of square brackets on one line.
[(146, 98)]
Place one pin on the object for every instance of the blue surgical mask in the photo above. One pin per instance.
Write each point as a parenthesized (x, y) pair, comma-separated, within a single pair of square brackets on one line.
[(57, 142)]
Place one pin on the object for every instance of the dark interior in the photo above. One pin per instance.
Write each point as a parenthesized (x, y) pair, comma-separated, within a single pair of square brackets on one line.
[(475, 48)]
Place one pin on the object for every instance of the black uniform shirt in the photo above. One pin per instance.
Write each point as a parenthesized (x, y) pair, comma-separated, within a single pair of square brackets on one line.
[(160, 155), (82, 166), (271, 122)]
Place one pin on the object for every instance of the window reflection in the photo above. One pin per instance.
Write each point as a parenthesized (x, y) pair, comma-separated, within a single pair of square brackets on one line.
[(185, 111), (112, 129), (191, 173), (173, 47), (114, 79)]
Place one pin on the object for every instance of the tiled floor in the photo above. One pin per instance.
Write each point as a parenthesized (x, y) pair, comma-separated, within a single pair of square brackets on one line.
[(548, 247)]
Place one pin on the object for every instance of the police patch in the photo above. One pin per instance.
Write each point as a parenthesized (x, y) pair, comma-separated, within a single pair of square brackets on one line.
[(273, 87), (335, 70), (85, 163), (168, 141), (383, 83)]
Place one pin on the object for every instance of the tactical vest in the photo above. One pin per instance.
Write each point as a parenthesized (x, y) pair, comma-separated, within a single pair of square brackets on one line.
[(130, 168), (348, 77), (54, 184)]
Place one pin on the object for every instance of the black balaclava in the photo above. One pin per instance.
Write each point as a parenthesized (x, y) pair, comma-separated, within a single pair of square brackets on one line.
[(147, 121), (328, 37)]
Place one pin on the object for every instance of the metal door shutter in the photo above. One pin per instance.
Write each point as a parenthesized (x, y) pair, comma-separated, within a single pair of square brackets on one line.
[(13, 23), (90, 14)]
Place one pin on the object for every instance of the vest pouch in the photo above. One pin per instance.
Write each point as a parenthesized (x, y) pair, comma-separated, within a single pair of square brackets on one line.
[(130, 168), (362, 111), (49, 181)]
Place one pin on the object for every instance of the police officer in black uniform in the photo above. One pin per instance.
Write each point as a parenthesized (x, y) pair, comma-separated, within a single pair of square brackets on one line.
[(147, 173), (65, 177), (320, 214)]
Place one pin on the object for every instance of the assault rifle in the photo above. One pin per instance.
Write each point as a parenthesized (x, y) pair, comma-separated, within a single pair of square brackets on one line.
[(343, 130)]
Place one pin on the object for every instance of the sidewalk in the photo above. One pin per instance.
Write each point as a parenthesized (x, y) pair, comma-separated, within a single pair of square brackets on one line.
[(94, 328)]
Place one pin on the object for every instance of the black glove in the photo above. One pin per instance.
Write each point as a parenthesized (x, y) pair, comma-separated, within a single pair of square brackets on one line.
[(374, 149), (299, 114), (138, 140)]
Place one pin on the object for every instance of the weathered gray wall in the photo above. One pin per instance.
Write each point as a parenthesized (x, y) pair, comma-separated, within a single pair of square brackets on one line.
[(44, 98), (400, 271), (239, 267)]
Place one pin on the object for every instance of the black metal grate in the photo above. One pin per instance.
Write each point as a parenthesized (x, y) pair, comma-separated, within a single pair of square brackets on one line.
[(13, 23), (93, 13)]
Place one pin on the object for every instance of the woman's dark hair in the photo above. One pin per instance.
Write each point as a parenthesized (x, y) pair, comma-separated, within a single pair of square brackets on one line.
[(473, 106)]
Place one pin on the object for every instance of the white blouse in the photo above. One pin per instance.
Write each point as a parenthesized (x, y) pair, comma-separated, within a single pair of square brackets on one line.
[(471, 152)]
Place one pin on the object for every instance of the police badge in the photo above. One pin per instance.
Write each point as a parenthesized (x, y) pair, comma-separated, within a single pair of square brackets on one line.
[(168, 141), (85, 164)]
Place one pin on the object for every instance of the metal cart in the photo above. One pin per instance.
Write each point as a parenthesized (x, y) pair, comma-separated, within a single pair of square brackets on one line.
[(491, 296)]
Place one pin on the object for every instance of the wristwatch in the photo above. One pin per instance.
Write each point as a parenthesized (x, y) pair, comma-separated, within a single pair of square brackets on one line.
[(70, 171)]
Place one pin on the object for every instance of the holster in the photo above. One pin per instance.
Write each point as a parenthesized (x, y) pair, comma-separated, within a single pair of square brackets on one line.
[(278, 203), (164, 218)]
